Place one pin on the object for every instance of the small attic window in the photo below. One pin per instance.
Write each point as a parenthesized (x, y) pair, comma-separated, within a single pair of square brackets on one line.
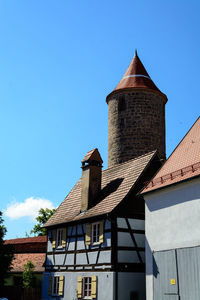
[(121, 103)]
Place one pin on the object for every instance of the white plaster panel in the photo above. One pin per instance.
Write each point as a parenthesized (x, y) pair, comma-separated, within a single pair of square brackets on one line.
[(124, 239), (140, 239), (81, 259), (107, 239), (137, 224), (69, 259), (49, 260), (121, 223), (128, 256), (71, 244), (59, 259), (49, 246), (80, 243), (104, 257), (92, 257)]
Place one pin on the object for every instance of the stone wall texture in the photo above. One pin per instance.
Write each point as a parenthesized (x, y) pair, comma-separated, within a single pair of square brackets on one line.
[(136, 125)]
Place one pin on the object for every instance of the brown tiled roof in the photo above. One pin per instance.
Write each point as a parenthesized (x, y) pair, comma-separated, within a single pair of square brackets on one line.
[(116, 184), (29, 245), (38, 259), (37, 239), (136, 76), (183, 163)]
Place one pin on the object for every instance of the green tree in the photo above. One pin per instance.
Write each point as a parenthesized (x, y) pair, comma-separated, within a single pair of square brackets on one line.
[(6, 254), (28, 275), (43, 217)]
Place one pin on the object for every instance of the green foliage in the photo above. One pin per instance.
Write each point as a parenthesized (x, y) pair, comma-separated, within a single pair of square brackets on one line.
[(6, 254), (43, 216), (28, 275)]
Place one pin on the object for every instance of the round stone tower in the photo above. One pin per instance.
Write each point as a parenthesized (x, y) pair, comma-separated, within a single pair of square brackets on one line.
[(136, 120)]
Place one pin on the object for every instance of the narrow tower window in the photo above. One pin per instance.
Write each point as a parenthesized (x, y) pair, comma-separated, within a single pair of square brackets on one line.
[(121, 103)]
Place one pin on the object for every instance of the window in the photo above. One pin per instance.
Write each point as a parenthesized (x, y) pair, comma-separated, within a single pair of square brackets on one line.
[(95, 232), (59, 238), (56, 285), (87, 287), (121, 103)]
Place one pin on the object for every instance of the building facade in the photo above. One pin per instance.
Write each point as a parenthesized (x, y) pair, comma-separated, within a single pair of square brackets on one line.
[(172, 224), (96, 237)]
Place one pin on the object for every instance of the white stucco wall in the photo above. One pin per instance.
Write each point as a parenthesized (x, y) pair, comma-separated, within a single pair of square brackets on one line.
[(105, 285), (172, 221)]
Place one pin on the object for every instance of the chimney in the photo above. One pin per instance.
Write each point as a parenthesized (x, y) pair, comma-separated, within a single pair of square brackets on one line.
[(91, 178)]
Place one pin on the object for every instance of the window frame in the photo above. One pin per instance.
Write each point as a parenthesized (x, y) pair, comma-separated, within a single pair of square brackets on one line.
[(85, 286), (55, 279), (95, 240), (59, 238)]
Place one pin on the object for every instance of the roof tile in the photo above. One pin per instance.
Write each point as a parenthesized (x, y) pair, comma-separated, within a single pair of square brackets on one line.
[(38, 259), (183, 163), (116, 183)]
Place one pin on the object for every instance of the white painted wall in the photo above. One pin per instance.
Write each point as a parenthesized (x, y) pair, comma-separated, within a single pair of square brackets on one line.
[(172, 221), (105, 285)]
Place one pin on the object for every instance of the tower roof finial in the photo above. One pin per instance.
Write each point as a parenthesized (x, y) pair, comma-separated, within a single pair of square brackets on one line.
[(136, 52)]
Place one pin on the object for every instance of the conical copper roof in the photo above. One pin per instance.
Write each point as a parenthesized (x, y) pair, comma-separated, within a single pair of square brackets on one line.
[(136, 76)]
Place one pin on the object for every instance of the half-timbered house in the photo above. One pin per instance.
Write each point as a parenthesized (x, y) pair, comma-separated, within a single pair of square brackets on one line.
[(96, 236), (96, 244)]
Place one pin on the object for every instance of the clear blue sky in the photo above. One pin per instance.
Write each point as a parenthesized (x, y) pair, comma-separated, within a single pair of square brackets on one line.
[(58, 61)]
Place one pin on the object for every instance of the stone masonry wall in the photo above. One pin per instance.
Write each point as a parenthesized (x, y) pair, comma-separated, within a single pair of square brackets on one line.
[(136, 125)]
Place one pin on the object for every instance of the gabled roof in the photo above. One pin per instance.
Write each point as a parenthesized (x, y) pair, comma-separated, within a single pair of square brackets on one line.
[(183, 163), (136, 76), (116, 184)]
